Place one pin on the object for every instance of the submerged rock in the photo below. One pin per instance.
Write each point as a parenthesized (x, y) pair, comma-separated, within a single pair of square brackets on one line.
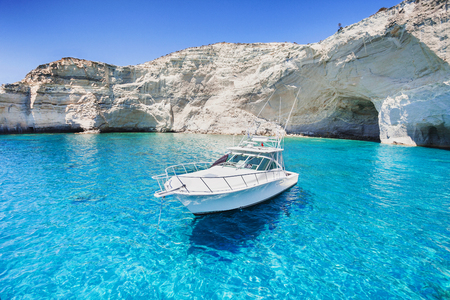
[(385, 78)]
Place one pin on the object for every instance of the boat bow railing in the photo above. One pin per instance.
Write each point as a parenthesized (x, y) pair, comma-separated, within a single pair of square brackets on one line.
[(180, 169), (187, 168), (204, 185)]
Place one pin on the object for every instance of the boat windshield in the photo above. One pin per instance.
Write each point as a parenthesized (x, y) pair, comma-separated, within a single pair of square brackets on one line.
[(249, 162)]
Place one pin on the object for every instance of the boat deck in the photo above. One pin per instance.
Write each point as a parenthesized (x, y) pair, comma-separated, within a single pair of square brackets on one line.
[(220, 171)]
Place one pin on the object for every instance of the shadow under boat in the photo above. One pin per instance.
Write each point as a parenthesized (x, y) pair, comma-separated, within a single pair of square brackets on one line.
[(232, 230)]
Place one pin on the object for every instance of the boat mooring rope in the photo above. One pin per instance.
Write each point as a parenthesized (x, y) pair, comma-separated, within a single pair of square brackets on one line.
[(160, 211)]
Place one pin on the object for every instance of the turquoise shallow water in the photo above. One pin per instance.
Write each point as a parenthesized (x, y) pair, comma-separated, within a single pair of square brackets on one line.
[(78, 221)]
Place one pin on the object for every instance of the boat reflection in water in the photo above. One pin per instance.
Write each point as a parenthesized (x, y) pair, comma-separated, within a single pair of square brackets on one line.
[(233, 230)]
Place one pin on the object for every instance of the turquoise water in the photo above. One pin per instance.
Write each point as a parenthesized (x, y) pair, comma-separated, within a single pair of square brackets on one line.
[(78, 220)]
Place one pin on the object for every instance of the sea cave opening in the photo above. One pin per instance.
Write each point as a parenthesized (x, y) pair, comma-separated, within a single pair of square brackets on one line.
[(357, 118)]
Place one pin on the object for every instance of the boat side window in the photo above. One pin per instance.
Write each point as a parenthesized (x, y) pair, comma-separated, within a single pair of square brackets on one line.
[(263, 164), (272, 166)]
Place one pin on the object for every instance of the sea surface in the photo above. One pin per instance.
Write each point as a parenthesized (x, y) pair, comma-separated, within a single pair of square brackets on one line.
[(78, 220)]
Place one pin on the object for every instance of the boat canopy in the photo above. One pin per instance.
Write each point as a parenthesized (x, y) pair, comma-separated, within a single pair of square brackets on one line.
[(258, 144), (255, 149)]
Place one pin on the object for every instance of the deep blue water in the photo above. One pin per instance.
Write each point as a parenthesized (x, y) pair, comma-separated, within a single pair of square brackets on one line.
[(78, 220)]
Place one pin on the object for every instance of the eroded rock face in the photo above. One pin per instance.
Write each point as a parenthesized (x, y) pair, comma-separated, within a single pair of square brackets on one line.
[(385, 78), (76, 95)]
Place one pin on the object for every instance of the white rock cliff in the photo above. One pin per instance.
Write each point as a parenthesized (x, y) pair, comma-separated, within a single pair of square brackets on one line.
[(385, 78)]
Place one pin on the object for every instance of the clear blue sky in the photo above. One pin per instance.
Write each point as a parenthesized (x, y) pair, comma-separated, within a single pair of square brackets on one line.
[(129, 32)]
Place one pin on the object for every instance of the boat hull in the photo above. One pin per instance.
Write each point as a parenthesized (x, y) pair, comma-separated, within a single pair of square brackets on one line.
[(205, 204)]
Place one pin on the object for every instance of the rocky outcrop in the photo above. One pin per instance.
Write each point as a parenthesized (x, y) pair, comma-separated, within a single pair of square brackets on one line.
[(385, 78), (79, 95)]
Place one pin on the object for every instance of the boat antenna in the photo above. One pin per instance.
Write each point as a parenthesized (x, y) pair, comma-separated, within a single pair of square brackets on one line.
[(279, 112), (292, 108), (254, 121), (266, 103)]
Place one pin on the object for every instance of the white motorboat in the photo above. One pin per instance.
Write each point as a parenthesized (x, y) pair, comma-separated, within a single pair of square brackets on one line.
[(248, 174)]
